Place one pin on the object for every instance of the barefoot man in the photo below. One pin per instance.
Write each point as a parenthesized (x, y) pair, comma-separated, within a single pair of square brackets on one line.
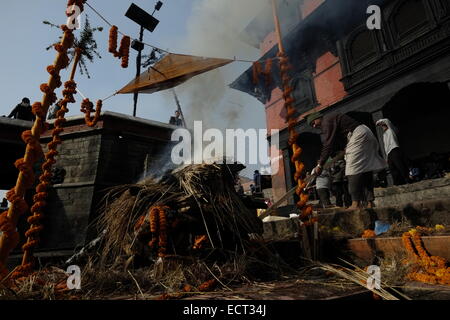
[(361, 153)]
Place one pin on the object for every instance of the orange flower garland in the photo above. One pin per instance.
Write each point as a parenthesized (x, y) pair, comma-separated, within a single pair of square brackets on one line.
[(41, 190), (257, 70), (113, 36), (154, 222), (79, 3), (306, 211), (124, 49), (428, 269), (86, 108), (31, 137), (162, 232), (367, 234), (158, 228)]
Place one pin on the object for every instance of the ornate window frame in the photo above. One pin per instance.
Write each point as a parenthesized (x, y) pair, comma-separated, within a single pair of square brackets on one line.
[(412, 34), (353, 65)]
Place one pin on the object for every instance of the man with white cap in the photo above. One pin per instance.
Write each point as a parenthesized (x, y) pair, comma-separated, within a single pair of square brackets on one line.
[(361, 153), (396, 160)]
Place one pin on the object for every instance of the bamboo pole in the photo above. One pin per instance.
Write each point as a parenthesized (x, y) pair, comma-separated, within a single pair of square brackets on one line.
[(27, 255), (291, 118), (36, 130), (277, 26)]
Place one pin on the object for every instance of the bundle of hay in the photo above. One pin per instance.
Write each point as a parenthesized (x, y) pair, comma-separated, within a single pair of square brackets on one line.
[(201, 207)]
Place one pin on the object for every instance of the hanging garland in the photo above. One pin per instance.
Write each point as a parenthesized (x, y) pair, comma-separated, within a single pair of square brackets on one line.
[(124, 49), (257, 70), (162, 232), (267, 73), (306, 211), (158, 228), (86, 108), (113, 36), (427, 269)]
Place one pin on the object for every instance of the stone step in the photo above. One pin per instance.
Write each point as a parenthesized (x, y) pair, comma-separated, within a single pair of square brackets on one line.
[(353, 223), (419, 191), (419, 213)]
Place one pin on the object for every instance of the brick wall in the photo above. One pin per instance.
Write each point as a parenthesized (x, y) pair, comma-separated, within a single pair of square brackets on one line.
[(329, 89), (115, 152)]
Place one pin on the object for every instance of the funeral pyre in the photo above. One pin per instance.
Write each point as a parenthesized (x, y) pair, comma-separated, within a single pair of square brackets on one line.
[(187, 209)]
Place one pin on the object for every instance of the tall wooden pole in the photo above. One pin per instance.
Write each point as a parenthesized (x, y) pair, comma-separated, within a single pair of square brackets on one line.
[(277, 26), (28, 254), (291, 118)]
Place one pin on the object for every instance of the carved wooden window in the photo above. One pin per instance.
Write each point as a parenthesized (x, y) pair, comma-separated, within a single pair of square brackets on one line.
[(443, 8), (410, 16), (362, 47)]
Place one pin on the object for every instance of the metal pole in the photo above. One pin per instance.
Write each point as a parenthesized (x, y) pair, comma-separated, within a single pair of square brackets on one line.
[(138, 70)]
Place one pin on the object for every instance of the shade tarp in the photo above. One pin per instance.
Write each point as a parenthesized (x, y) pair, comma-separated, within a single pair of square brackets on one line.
[(171, 71)]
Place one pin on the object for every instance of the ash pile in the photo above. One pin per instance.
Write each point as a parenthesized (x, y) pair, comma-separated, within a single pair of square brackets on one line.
[(193, 211)]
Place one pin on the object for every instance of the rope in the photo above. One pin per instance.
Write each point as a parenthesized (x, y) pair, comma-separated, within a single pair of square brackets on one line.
[(144, 43)]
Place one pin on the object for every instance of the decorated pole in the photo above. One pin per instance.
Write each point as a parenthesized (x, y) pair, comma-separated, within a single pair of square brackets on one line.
[(8, 219), (306, 210), (44, 181)]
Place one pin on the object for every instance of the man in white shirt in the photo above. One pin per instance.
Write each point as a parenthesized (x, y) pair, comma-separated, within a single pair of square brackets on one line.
[(396, 160)]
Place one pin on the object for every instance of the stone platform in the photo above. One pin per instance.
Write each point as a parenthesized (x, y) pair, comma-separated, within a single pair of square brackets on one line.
[(419, 191)]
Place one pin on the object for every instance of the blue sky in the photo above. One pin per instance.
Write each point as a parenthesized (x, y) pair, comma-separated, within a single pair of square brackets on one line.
[(199, 27), (24, 58)]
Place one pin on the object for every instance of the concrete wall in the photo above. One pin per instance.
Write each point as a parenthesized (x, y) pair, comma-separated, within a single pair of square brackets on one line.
[(117, 151)]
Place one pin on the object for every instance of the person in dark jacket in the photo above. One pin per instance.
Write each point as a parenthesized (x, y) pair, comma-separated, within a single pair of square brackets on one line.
[(361, 153), (176, 120), (23, 111)]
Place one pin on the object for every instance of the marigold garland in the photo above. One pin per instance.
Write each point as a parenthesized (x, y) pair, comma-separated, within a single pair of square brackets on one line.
[(32, 153), (79, 3), (367, 234), (86, 108), (113, 36), (162, 232), (158, 228), (257, 70), (44, 182), (267, 73), (306, 210), (154, 223), (124, 49), (428, 269)]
